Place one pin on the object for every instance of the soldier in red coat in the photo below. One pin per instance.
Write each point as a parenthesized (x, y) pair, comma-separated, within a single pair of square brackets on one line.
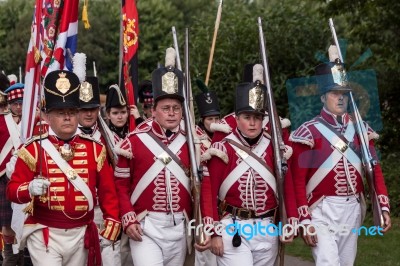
[(152, 176), (89, 97), (59, 174), (208, 107), (242, 178), (227, 123), (117, 113), (10, 128), (328, 176)]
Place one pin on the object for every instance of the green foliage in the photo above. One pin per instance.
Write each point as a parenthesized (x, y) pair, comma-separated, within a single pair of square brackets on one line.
[(156, 18), (371, 250), (15, 20), (100, 43), (295, 33)]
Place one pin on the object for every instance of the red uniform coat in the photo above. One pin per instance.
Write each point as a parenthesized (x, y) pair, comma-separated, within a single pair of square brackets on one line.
[(205, 140), (64, 206), (311, 149), (134, 160), (222, 164), (4, 136)]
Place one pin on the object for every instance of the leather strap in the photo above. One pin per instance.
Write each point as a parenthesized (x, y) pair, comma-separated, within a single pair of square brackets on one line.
[(249, 152), (244, 213), (169, 152)]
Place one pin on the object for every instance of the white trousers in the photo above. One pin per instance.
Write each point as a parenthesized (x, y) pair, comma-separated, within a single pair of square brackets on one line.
[(117, 254), (163, 243), (334, 218), (260, 249), (65, 247), (205, 258)]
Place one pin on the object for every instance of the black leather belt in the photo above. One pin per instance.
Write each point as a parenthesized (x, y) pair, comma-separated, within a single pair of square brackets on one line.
[(243, 213)]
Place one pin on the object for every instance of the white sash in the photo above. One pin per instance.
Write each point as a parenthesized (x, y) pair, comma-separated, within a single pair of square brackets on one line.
[(71, 174), (13, 140), (14, 131), (6, 150), (335, 156), (96, 135), (159, 165), (248, 161)]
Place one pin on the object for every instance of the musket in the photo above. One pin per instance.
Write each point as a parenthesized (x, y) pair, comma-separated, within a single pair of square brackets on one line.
[(280, 164), (368, 161), (195, 173), (108, 135), (106, 132)]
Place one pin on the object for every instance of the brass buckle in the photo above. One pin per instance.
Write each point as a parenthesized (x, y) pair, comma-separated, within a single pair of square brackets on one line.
[(242, 154), (341, 146), (165, 158), (240, 211)]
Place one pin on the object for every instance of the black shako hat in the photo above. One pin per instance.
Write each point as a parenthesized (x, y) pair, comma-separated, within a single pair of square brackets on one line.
[(115, 97), (4, 84), (252, 96), (207, 101), (168, 81), (146, 92), (331, 76), (89, 93), (61, 90)]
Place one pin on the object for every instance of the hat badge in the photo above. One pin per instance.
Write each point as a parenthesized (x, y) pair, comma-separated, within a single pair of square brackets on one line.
[(256, 98), (86, 92), (209, 99), (170, 83), (62, 83)]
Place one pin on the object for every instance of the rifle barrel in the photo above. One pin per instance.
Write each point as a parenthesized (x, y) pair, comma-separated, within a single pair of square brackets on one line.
[(366, 157)]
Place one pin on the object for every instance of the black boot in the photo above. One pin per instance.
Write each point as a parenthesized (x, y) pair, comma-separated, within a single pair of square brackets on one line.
[(11, 259)]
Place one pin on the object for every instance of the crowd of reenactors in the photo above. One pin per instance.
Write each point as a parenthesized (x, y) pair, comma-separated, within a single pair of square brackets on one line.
[(95, 193)]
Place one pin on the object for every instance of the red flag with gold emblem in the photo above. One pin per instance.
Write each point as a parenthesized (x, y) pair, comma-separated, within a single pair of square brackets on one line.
[(130, 43)]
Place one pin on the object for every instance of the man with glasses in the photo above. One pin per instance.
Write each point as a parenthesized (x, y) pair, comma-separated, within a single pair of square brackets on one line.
[(151, 176), (10, 129), (59, 174)]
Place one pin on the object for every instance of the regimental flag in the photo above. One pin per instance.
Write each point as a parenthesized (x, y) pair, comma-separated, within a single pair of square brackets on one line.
[(130, 43), (54, 30)]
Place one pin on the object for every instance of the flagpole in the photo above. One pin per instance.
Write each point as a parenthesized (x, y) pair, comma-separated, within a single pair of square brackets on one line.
[(210, 60), (121, 36)]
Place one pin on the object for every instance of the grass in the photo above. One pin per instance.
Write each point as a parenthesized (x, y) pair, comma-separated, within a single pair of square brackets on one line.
[(372, 250)]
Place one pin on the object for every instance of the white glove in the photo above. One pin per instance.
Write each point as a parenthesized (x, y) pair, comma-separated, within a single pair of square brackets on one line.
[(104, 242), (10, 166), (38, 186)]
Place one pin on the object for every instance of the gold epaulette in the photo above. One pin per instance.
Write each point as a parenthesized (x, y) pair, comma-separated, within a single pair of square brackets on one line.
[(36, 137), (28, 158)]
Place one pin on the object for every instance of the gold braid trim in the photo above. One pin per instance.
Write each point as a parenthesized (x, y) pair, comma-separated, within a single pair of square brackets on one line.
[(101, 159), (111, 229), (29, 208), (27, 157)]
